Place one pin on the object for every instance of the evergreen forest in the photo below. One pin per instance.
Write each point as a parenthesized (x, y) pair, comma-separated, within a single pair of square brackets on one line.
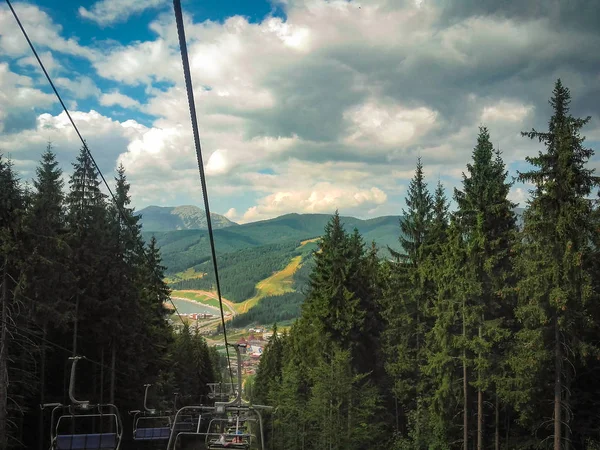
[(76, 278), (481, 333)]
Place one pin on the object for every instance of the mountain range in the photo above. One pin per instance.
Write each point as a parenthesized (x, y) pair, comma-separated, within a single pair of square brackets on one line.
[(186, 217), (183, 249)]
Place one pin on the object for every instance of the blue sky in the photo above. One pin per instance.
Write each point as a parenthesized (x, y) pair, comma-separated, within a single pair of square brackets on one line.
[(303, 105)]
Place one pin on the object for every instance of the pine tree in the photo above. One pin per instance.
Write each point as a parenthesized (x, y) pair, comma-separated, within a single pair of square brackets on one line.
[(487, 221), (268, 373), (447, 342), (417, 220), (331, 304), (14, 345), (90, 263), (407, 301), (555, 286), (436, 237), (125, 312), (49, 281)]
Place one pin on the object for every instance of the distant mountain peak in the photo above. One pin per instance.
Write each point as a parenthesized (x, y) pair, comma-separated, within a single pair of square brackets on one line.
[(185, 217)]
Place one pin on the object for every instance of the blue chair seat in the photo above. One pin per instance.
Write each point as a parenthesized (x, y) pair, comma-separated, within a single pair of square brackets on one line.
[(145, 434), (102, 441)]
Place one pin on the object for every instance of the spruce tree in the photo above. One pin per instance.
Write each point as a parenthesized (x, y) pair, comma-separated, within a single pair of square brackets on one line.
[(14, 343), (486, 218), (555, 289), (407, 301), (269, 370), (448, 361), (90, 263), (417, 220), (439, 222), (332, 305), (49, 281)]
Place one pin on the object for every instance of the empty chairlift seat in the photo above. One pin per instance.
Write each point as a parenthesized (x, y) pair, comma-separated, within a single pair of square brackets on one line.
[(103, 441), (150, 434)]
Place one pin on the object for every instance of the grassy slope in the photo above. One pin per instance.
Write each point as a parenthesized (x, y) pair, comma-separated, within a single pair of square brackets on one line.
[(185, 275), (277, 284)]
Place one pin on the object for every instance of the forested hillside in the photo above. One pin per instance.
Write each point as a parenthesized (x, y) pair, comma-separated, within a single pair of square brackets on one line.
[(479, 335), (188, 248), (76, 278)]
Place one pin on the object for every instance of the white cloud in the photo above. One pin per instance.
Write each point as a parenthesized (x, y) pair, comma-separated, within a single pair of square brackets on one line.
[(17, 94), (81, 87), (217, 163), (105, 137), (42, 31), (321, 198), (231, 214), (388, 125), (140, 63), (51, 65), (506, 111), (116, 98), (519, 195), (106, 12)]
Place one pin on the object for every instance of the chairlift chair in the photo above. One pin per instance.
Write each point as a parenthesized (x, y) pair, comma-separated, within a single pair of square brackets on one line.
[(234, 437), (84, 426), (150, 424), (221, 392)]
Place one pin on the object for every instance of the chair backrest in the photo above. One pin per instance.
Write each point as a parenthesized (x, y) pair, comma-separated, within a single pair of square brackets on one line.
[(102, 441)]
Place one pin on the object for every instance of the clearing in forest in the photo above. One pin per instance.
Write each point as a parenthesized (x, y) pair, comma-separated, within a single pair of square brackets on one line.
[(188, 274), (277, 284), (308, 241)]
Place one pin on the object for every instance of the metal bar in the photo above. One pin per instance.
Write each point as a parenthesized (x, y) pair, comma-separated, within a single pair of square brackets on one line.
[(75, 359)]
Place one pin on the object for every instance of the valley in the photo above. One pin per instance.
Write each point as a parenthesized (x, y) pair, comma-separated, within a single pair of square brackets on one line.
[(263, 266)]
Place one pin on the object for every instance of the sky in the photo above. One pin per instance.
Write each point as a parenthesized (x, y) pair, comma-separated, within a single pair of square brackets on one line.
[(303, 106)]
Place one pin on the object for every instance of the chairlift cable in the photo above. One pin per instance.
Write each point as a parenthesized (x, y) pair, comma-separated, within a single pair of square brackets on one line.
[(192, 106), (89, 153)]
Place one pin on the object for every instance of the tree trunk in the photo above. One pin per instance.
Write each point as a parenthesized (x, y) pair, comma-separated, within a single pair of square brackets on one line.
[(418, 377), (75, 325), (557, 387), (568, 410), (397, 417), (507, 425), (497, 433), (465, 386), (102, 376), (112, 372), (41, 439), (479, 405), (4, 361)]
